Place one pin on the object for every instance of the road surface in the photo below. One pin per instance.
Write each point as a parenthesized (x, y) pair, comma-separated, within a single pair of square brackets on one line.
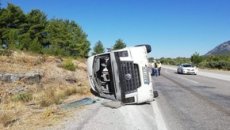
[(99, 117), (193, 102)]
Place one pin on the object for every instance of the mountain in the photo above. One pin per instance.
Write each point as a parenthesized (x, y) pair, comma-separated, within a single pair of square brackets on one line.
[(222, 49)]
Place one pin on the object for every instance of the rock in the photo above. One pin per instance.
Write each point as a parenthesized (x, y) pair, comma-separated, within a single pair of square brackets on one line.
[(30, 77), (7, 77), (71, 79), (59, 60), (17, 90)]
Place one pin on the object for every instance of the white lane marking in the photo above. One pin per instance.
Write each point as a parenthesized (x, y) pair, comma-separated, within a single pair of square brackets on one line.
[(158, 117)]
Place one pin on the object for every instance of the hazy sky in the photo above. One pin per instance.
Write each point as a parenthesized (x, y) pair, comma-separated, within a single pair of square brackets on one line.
[(172, 27)]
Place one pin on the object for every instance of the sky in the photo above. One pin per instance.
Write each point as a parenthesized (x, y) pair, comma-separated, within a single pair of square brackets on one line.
[(173, 28)]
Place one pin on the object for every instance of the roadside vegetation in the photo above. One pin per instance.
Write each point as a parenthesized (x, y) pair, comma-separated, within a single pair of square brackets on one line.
[(99, 47), (210, 61), (32, 102), (35, 33), (68, 65), (42, 65)]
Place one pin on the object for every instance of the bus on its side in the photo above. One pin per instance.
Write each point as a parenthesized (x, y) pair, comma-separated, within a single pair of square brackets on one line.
[(122, 75)]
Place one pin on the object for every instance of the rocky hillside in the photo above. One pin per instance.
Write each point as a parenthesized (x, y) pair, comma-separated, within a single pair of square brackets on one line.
[(221, 49), (33, 86)]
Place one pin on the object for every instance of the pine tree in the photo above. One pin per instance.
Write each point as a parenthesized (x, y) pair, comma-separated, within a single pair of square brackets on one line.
[(119, 44), (98, 48), (35, 33)]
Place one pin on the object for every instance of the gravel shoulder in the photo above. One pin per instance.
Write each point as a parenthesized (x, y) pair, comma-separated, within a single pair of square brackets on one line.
[(99, 117)]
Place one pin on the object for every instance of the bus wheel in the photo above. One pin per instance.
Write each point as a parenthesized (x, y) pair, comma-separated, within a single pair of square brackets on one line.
[(155, 94)]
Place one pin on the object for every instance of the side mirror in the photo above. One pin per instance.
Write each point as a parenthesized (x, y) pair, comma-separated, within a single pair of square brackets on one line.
[(147, 46)]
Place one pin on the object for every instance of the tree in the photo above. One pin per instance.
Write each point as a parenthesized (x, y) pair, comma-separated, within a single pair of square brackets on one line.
[(11, 19), (119, 44), (33, 32), (67, 37), (35, 46), (98, 48), (196, 58), (37, 22), (24, 41)]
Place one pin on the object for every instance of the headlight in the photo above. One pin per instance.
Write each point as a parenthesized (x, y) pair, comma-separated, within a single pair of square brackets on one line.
[(145, 75)]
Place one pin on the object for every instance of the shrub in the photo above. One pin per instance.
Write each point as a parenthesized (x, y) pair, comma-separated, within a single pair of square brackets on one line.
[(24, 97), (70, 91), (52, 96), (48, 98), (218, 65), (5, 52), (68, 65)]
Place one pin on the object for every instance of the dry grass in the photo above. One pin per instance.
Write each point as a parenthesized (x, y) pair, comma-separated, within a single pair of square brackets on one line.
[(23, 97), (49, 112), (37, 106), (7, 118), (20, 62), (54, 95), (9, 113)]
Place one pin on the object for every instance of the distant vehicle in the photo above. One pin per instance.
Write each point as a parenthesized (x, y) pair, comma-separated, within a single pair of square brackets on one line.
[(122, 75), (187, 69)]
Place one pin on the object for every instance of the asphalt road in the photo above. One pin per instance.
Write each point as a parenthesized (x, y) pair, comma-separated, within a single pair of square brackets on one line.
[(193, 102), (99, 117)]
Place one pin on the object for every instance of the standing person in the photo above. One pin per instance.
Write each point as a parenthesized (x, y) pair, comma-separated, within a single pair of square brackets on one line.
[(152, 69), (156, 70), (159, 67)]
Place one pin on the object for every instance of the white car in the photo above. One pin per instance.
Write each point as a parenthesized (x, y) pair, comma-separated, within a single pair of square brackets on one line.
[(187, 69)]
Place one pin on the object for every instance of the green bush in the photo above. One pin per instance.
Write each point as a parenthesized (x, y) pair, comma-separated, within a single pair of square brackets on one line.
[(68, 65), (219, 65)]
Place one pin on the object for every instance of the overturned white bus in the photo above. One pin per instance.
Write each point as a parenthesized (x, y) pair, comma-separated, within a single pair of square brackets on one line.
[(122, 74)]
